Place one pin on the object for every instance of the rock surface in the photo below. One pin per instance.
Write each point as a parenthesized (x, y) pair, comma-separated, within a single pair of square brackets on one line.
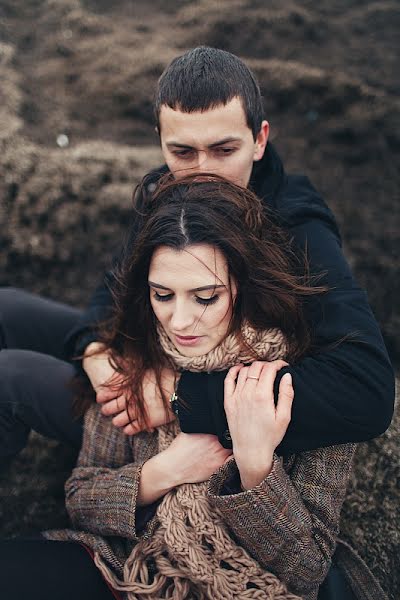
[(77, 132)]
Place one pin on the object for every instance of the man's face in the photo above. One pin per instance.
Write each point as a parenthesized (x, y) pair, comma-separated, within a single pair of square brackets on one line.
[(216, 141)]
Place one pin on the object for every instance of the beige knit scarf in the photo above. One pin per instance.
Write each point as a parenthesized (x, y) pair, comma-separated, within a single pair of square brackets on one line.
[(194, 555)]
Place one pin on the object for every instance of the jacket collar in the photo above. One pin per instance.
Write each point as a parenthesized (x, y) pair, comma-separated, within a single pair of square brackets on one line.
[(268, 177)]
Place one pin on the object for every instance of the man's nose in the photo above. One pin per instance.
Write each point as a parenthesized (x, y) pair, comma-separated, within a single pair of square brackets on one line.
[(204, 162)]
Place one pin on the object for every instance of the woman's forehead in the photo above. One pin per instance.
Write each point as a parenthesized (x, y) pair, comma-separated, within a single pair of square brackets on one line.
[(195, 266)]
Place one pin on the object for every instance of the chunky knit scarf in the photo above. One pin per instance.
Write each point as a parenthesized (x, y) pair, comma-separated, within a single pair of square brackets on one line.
[(193, 555)]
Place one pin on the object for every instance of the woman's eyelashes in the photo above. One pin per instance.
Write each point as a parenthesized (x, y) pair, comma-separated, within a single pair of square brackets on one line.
[(207, 301), (162, 297), (198, 299)]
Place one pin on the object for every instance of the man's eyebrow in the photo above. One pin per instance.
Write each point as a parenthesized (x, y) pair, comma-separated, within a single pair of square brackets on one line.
[(227, 140), (177, 145), (199, 289)]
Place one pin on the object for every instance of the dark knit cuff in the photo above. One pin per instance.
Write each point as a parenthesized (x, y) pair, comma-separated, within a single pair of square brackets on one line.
[(201, 405), (193, 406)]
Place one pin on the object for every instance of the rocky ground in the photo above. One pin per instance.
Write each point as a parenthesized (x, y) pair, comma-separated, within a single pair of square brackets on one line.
[(86, 69)]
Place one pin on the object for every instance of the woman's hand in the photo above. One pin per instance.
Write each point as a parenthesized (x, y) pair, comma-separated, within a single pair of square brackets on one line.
[(256, 425), (194, 457), (191, 458)]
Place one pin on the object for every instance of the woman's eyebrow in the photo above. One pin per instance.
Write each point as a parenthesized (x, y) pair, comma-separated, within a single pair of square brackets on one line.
[(207, 287), (203, 288), (158, 285)]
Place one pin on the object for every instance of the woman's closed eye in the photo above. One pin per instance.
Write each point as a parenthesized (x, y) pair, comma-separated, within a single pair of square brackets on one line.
[(207, 301), (203, 301), (162, 297)]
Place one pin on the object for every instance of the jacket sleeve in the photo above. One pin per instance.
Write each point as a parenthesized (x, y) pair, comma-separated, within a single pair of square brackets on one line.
[(102, 490), (344, 389), (290, 521), (84, 331)]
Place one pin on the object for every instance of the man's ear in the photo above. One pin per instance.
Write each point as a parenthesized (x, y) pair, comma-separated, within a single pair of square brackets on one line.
[(156, 129), (261, 141)]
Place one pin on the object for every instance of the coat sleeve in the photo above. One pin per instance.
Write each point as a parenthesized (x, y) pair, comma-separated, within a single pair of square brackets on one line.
[(290, 521), (102, 490)]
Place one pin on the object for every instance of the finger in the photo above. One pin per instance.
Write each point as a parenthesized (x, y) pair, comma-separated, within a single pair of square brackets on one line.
[(132, 429), (279, 363), (255, 370), (265, 388), (230, 379), (122, 419), (104, 394), (285, 399), (241, 380), (113, 407)]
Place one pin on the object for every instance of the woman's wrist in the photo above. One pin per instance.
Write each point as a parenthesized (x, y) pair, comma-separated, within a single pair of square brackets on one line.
[(155, 480), (251, 476)]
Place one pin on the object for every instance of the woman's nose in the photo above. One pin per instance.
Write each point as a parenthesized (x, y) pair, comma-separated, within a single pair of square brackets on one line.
[(182, 318)]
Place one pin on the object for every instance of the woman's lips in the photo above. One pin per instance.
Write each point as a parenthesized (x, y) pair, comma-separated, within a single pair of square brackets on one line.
[(187, 340)]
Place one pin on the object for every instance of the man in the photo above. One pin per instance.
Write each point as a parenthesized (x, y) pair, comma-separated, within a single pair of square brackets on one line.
[(209, 117)]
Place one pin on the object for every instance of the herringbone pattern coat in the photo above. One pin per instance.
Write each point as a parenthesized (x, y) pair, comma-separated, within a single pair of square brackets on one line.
[(289, 523)]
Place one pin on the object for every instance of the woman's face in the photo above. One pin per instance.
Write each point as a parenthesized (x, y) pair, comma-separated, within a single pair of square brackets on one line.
[(191, 296)]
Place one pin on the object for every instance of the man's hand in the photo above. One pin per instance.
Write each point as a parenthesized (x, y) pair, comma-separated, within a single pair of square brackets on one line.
[(256, 425), (106, 382), (153, 401)]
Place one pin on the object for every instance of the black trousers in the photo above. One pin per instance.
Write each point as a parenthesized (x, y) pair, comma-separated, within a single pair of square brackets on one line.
[(34, 392), (40, 569)]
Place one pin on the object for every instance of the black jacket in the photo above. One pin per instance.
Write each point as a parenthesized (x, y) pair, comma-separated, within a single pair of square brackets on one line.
[(344, 390)]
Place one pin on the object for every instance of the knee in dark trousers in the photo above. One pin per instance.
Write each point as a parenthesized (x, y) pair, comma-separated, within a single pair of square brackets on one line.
[(30, 322), (35, 394)]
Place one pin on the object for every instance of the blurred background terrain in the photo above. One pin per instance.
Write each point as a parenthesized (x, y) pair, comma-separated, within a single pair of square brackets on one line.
[(77, 132)]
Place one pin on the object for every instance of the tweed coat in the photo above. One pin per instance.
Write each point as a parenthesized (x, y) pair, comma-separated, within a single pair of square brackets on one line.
[(289, 523)]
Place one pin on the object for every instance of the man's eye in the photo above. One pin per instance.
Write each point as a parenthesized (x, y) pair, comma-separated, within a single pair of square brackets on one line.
[(183, 153), (162, 297), (223, 151), (207, 301)]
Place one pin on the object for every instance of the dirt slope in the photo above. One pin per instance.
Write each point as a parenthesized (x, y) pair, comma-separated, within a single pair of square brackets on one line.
[(86, 69)]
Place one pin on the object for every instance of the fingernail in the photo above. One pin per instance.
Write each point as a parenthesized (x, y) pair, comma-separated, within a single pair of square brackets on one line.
[(287, 377)]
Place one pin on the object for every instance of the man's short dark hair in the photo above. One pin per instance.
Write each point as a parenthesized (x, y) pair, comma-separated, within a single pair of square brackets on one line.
[(204, 78)]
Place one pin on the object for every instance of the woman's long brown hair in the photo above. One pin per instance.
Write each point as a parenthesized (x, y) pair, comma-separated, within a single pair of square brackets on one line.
[(272, 283)]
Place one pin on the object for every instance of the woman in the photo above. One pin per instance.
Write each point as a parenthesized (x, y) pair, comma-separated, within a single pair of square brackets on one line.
[(208, 284)]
